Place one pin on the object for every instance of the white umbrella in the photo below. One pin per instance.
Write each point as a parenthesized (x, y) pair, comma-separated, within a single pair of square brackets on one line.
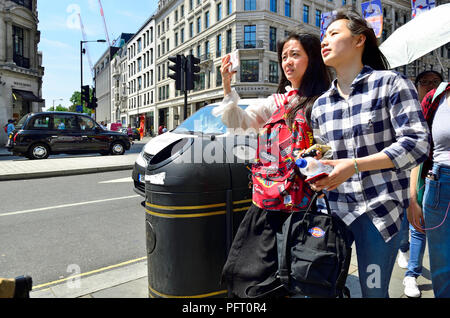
[(423, 34)]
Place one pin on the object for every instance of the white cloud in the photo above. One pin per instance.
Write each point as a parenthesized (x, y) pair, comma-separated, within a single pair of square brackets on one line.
[(55, 44), (93, 5)]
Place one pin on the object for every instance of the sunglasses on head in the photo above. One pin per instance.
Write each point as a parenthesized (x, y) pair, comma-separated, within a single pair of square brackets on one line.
[(434, 82)]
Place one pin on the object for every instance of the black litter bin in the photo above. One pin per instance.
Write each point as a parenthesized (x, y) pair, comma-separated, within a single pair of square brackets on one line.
[(194, 203)]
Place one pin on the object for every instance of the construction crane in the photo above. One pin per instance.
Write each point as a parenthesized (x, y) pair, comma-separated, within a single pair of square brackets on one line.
[(104, 21), (86, 49)]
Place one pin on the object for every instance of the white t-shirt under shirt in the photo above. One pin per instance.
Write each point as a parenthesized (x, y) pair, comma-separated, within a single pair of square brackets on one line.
[(441, 132)]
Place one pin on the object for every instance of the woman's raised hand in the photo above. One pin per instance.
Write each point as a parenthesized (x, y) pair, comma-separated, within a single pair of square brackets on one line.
[(226, 74)]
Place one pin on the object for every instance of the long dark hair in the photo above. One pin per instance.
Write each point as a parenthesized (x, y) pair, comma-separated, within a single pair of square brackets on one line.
[(316, 79), (372, 56)]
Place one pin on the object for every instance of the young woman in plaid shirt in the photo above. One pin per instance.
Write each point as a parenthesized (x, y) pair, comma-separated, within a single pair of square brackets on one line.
[(282, 121), (372, 119)]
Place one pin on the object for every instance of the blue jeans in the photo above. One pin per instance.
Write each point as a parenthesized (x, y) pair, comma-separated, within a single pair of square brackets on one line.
[(416, 248), (376, 258), (436, 202)]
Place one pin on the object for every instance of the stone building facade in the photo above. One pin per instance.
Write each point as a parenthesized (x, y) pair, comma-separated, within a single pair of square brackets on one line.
[(210, 29), (21, 70)]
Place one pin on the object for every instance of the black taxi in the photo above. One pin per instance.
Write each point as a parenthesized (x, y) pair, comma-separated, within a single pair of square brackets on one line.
[(37, 135)]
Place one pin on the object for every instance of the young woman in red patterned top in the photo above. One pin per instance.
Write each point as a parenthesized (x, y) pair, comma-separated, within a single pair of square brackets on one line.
[(282, 121)]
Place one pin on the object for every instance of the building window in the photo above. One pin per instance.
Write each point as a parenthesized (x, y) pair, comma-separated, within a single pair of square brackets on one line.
[(229, 7), (191, 30), (273, 72), (182, 35), (219, 45), (18, 39), (219, 11), (206, 49), (26, 3), (218, 77), (206, 19), (199, 25), (287, 8), (250, 36), (273, 39), (229, 39), (176, 39), (273, 5), (318, 16), (305, 13), (249, 70), (18, 48), (249, 5)]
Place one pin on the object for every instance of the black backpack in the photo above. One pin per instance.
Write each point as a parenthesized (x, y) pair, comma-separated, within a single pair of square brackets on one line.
[(314, 257)]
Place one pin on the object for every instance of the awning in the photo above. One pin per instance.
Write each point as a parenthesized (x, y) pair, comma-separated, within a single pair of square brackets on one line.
[(27, 95)]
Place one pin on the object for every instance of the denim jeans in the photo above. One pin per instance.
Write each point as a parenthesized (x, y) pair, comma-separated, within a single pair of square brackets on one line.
[(436, 202), (416, 247), (376, 258)]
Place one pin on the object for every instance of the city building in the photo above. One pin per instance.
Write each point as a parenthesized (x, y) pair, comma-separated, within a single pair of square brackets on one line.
[(102, 80), (21, 68), (119, 80), (210, 29), (141, 78)]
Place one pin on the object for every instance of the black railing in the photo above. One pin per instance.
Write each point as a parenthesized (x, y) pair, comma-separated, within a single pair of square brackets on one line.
[(256, 44), (21, 61), (26, 3), (205, 57)]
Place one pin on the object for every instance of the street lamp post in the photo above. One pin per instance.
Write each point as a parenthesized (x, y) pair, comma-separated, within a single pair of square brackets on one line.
[(81, 60), (54, 103)]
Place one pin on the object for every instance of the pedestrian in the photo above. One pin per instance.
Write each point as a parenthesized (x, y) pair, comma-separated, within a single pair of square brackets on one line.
[(436, 198), (160, 129), (284, 118), (141, 132), (373, 122), (9, 129), (411, 253)]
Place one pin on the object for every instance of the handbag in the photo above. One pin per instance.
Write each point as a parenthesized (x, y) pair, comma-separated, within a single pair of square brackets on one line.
[(314, 252)]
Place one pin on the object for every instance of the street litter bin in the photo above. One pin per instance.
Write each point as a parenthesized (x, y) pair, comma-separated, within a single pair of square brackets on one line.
[(194, 204)]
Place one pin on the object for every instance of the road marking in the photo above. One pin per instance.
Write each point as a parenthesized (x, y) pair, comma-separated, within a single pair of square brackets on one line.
[(68, 205), (123, 180), (89, 273)]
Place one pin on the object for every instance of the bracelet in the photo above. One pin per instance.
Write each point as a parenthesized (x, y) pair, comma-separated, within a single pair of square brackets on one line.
[(356, 165)]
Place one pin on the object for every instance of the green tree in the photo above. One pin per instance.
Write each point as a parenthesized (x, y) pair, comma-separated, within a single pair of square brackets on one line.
[(76, 100), (58, 108)]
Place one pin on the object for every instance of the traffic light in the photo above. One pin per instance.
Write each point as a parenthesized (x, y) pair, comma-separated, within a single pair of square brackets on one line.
[(192, 69), (92, 104), (85, 94), (178, 68)]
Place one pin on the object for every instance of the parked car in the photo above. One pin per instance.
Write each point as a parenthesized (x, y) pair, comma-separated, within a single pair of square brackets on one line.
[(37, 135), (135, 135), (202, 124)]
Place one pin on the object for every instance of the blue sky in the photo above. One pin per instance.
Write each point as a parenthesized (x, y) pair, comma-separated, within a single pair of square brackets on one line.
[(61, 36)]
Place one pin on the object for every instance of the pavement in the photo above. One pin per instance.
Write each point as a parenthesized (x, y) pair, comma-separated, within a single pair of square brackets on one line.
[(129, 279)]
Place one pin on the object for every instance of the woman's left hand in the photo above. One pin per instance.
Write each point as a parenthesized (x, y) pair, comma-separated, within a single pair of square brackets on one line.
[(343, 169)]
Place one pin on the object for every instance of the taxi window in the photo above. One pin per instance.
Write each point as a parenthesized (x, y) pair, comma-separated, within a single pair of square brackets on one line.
[(64, 122), (86, 123), (40, 122)]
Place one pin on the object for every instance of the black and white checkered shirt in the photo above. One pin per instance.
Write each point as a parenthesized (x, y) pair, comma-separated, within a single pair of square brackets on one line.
[(381, 114)]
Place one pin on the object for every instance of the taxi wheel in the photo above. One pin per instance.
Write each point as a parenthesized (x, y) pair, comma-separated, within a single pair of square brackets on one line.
[(117, 148), (38, 151)]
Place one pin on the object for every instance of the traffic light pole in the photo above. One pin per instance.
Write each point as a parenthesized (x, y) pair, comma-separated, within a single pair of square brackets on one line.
[(81, 70), (185, 75)]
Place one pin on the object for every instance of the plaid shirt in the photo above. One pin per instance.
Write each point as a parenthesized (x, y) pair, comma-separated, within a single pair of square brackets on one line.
[(381, 114)]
